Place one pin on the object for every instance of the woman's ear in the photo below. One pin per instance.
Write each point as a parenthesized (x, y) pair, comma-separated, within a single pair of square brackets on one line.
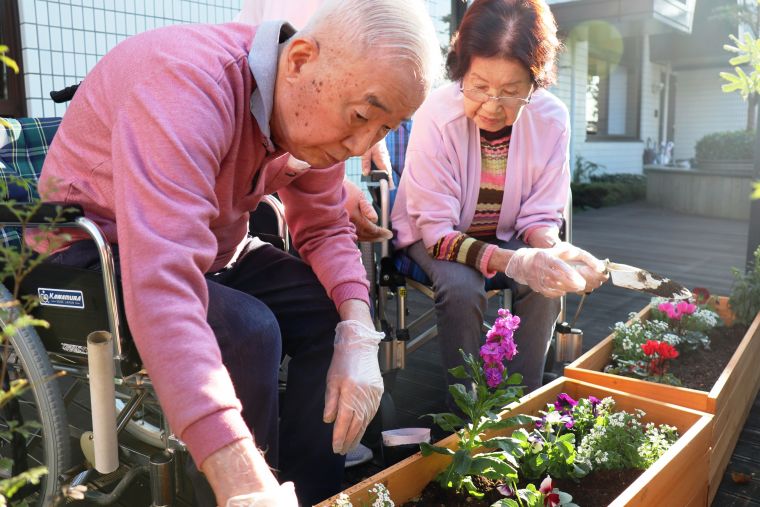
[(301, 51)]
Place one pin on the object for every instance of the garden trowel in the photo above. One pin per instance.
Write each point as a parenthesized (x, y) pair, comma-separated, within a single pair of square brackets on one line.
[(630, 277)]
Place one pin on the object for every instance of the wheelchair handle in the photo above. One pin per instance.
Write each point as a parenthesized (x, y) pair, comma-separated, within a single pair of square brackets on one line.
[(64, 95)]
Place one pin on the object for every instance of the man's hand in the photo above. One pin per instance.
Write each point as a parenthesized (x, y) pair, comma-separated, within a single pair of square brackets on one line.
[(237, 470), (354, 383), (363, 215), (378, 154)]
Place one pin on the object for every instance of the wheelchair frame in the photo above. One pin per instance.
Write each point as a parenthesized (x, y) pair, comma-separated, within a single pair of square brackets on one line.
[(160, 465)]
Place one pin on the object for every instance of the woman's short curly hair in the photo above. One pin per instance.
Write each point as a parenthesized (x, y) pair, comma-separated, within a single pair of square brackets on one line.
[(523, 30)]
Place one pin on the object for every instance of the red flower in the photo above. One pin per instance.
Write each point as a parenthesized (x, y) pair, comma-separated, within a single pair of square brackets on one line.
[(650, 347), (701, 295), (666, 351)]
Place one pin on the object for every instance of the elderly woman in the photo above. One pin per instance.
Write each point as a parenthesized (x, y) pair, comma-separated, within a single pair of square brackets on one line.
[(486, 181)]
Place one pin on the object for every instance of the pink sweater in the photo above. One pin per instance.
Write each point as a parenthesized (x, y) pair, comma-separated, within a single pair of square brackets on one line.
[(441, 180), (161, 150)]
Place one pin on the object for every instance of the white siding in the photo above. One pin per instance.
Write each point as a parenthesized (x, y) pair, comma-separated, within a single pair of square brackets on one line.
[(616, 156), (62, 40), (702, 108)]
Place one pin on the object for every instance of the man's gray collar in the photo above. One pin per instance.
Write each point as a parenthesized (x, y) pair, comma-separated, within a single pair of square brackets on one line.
[(262, 60)]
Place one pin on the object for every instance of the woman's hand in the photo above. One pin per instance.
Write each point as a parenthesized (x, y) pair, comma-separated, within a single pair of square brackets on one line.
[(556, 271)]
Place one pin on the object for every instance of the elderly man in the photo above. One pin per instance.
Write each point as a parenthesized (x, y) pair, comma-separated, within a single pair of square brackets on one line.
[(171, 139), (360, 211)]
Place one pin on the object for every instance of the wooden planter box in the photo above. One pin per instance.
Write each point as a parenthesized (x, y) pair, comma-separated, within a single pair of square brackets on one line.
[(729, 400), (679, 477)]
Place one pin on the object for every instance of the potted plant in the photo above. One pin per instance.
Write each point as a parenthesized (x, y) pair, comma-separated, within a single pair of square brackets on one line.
[(508, 453), (729, 396)]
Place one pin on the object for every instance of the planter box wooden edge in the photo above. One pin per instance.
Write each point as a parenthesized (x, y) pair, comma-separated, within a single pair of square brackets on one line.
[(679, 476), (730, 398)]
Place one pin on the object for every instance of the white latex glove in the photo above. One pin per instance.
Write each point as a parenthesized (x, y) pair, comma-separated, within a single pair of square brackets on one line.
[(549, 270), (354, 383), (284, 496), (378, 154)]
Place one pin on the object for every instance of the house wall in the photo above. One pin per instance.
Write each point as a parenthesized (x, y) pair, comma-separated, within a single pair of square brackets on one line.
[(62, 40), (701, 108)]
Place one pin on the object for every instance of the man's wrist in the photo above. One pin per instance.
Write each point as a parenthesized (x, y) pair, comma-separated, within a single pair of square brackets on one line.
[(356, 309)]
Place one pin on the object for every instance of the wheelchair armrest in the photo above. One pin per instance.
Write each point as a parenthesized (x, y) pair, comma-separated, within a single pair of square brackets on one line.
[(45, 213), (375, 176)]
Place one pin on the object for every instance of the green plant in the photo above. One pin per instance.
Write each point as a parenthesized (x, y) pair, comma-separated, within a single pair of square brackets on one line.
[(10, 63), (584, 169), (608, 190), (745, 294), (731, 145), (619, 440), (491, 389), (16, 262)]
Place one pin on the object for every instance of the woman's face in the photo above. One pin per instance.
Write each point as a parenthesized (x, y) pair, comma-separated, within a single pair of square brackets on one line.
[(495, 91)]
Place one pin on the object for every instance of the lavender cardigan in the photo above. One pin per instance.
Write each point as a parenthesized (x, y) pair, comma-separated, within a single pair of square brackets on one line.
[(441, 179)]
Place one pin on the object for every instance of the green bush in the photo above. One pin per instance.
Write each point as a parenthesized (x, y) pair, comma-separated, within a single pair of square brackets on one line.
[(730, 145), (745, 295), (609, 190)]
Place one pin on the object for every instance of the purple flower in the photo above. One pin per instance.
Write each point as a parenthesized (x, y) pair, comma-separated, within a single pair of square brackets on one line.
[(491, 352), (508, 349), (594, 403), (568, 420), (564, 403), (505, 490), (494, 374)]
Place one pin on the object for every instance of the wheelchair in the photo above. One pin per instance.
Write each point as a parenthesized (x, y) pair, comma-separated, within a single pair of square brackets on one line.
[(131, 446)]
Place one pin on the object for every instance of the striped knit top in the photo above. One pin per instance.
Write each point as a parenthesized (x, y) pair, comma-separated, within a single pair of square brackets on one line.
[(475, 247)]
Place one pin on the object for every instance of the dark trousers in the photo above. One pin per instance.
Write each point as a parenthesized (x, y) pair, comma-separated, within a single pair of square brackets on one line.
[(270, 303)]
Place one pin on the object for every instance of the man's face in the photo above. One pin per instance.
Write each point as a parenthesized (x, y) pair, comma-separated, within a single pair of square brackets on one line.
[(331, 104)]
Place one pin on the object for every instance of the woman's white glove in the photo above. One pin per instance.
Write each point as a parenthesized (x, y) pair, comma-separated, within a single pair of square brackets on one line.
[(354, 383), (284, 496), (557, 270)]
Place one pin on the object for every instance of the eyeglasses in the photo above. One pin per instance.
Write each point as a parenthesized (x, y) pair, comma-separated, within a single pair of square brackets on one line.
[(506, 101)]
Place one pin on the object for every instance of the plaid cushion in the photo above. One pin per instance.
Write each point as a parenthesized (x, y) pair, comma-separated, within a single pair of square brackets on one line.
[(407, 267), (24, 143)]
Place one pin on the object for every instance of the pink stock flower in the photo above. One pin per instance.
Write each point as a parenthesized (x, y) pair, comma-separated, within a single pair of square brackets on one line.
[(508, 349), (500, 345), (491, 352)]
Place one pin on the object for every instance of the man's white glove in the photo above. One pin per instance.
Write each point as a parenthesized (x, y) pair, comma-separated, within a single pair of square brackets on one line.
[(557, 270), (284, 496), (354, 383)]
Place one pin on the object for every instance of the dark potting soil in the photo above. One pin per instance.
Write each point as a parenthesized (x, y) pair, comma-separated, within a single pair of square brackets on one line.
[(598, 489), (700, 369)]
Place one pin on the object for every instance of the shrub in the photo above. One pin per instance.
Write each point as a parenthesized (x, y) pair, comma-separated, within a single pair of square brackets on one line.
[(608, 190), (730, 145), (745, 295)]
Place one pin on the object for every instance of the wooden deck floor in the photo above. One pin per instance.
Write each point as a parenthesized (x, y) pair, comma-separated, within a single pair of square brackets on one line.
[(696, 251)]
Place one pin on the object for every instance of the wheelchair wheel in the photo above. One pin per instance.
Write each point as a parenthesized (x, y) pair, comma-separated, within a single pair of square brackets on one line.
[(24, 357)]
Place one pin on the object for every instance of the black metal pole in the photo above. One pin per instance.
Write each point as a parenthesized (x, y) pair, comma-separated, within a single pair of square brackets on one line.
[(753, 238), (457, 13)]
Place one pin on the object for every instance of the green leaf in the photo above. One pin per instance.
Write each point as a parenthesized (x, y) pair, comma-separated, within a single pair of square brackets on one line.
[(427, 449), (459, 372), (447, 421), (462, 462)]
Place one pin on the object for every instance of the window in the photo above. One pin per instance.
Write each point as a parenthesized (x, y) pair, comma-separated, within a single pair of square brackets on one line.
[(613, 92), (12, 100)]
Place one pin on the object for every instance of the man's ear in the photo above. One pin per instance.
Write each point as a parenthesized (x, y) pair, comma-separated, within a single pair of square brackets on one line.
[(300, 51)]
